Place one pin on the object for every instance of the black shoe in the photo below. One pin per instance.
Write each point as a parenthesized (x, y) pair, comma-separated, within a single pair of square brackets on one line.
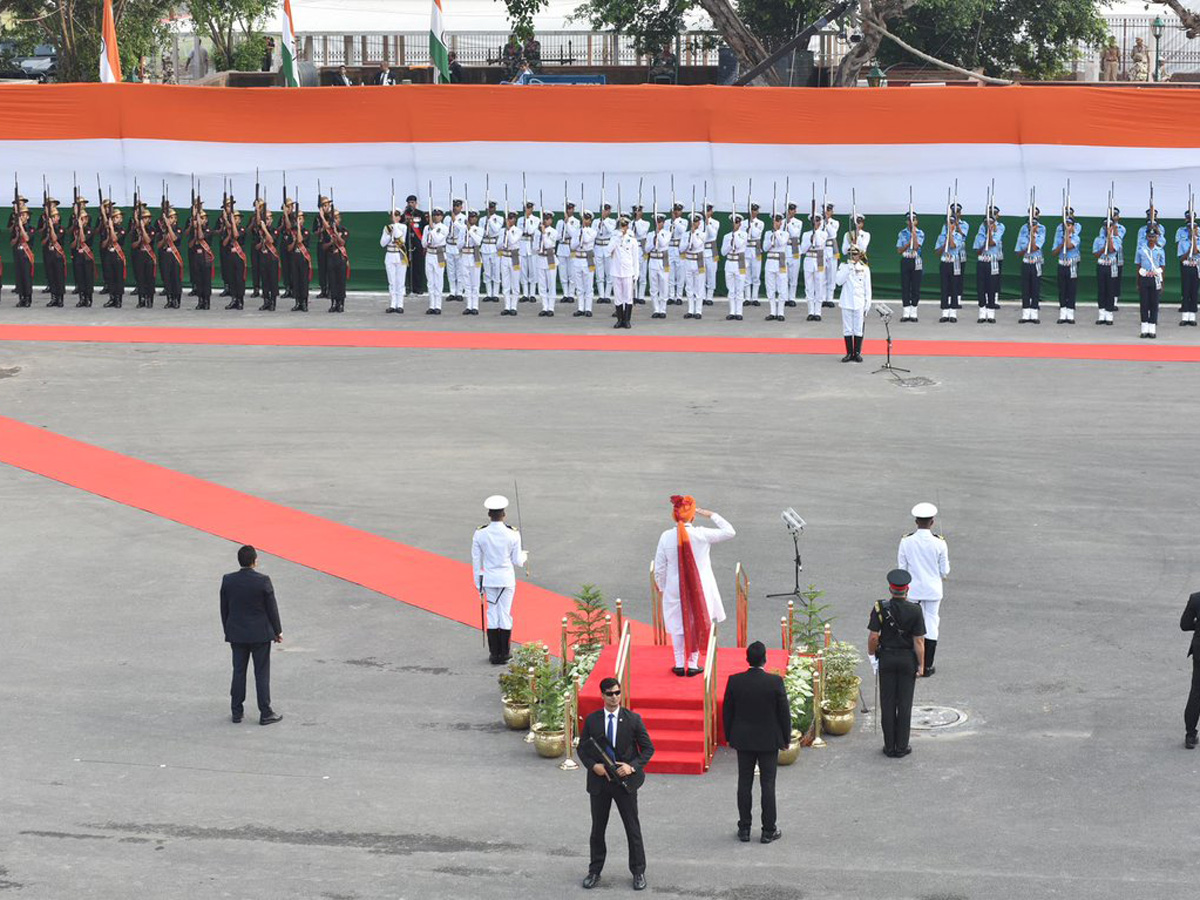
[(789, 302), (430, 311), (744, 834), (889, 752), (1189, 740), (678, 670), (591, 880), (828, 304), (981, 319), (698, 316), (930, 671), (232, 304), (730, 317), (235, 718), (900, 754), (225, 293), (270, 719), (769, 836), (389, 310), (578, 314), (739, 318), (818, 318), (691, 673), (544, 313), (588, 314), (707, 303), (639, 882)]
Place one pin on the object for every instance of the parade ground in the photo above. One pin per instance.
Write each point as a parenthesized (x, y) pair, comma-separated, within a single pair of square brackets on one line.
[(1062, 459)]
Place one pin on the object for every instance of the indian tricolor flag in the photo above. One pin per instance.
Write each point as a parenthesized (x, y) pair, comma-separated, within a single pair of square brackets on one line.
[(288, 43), (437, 45), (110, 59)]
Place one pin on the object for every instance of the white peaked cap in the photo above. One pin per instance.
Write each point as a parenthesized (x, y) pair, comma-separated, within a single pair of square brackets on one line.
[(496, 501), (922, 511)]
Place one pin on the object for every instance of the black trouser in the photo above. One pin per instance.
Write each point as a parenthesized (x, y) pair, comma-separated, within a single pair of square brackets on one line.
[(262, 676), (987, 283), (323, 268), (1068, 287), (1031, 285), (930, 653), (22, 275), (1149, 293), (269, 270), (1189, 288), (285, 270), (56, 274), (1120, 278), (627, 807), (193, 261), (952, 285), (143, 276), (1191, 712), (416, 269), (83, 268), (172, 277), (768, 764), (897, 681), (255, 265), (1106, 288), (202, 280), (226, 254), (114, 275), (910, 281), (236, 277), (335, 274), (300, 275)]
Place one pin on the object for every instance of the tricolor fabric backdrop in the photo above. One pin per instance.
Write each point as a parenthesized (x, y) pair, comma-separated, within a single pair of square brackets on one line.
[(729, 144)]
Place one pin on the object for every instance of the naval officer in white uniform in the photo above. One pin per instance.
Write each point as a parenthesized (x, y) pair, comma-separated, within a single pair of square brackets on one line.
[(495, 554), (924, 555), (666, 575)]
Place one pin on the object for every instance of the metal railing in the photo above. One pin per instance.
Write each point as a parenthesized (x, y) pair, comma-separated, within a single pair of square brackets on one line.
[(710, 697), (656, 610), (1177, 53), (622, 668), (742, 590)]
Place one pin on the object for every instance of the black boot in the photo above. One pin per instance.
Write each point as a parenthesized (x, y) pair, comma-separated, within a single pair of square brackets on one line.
[(505, 644), (849, 348), (493, 639), (628, 315), (930, 652), (858, 348)]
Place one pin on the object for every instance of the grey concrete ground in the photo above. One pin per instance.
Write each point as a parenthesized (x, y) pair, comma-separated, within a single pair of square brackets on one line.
[(1067, 498)]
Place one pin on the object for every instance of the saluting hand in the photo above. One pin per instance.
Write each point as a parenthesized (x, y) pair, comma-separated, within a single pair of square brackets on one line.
[(707, 513)]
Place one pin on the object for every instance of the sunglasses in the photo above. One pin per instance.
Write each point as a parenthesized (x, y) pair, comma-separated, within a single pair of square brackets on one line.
[(616, 693)]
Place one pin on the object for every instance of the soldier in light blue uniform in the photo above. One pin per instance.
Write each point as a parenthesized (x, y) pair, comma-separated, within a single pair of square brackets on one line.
[(1187, 245), (908, 244), (989, 263), (1031, 267), (1107, 249), (1066, 248), (953, 257), (1121, 230), (1151, 262), (1151, 222)]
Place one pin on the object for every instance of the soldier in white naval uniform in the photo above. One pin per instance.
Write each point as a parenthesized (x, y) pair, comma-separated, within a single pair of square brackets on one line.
[(434, 242), (733, 248), (923, 553), (395, 260), (812, 248), (493, 225), (640, 229), (495, 554), (855, 278), (666, 576)]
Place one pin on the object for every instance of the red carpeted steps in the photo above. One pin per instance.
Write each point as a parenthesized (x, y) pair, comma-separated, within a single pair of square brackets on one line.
[(672, 707)]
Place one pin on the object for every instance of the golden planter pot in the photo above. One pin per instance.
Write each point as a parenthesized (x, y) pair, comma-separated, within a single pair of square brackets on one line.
[(516, 717), (792, 753), (840, 721), (550, 744)]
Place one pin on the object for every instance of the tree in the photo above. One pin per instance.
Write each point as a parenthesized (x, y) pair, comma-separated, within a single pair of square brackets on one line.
[(73, 27), (220, 18), (1190, 20), (520, 16)]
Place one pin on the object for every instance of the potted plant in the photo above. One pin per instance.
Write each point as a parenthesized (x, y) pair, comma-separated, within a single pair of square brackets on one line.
[(515, 693), (798, 682), (840, 687), (550, 692), (808, 626)]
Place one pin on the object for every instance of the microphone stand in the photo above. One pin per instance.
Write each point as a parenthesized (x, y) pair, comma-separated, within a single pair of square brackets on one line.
[(795, 591), (887, 366)]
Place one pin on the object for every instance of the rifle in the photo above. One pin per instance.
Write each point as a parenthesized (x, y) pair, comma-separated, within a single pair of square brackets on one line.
[(1108, 221), (639, 203), (1066, 225), (854, 217), (1032, 247), (912, 227), (610, 767), (1191, 218), (1153, 212)]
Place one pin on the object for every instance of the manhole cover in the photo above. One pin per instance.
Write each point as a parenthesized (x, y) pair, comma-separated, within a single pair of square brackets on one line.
[(928, 718), (915, 382)]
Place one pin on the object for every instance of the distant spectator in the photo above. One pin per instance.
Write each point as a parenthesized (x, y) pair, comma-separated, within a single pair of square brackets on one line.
[(343, 77), (385, 74), (510, 58), (456, 69), (665, 67), (168, 71), (533, 54), (197, 62), (268, 60), (1110, 61), (1140, 57)]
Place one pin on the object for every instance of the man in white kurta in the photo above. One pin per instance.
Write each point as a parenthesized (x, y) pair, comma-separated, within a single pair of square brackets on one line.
[(666, 575), (924, 555), (495, 554)]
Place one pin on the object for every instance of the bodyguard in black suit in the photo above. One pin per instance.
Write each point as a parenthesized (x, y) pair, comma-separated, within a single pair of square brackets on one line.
[(758, 724), (1191, 713), (250, 618), (621, 735)]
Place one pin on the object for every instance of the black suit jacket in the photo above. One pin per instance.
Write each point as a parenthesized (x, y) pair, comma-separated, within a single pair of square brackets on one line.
[(756, 713), (633, 744), (249, 613), (1189, 620)]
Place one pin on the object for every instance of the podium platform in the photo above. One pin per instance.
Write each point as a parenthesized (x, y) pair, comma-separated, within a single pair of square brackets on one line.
[(672, 707)]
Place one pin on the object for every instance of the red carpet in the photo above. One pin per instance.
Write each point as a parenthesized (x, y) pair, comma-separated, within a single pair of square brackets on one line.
[(424, 580), (616, 343), (672, 707)]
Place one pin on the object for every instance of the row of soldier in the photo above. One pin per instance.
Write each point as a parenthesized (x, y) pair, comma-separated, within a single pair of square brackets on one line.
[(273, 253), (532, 257)]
